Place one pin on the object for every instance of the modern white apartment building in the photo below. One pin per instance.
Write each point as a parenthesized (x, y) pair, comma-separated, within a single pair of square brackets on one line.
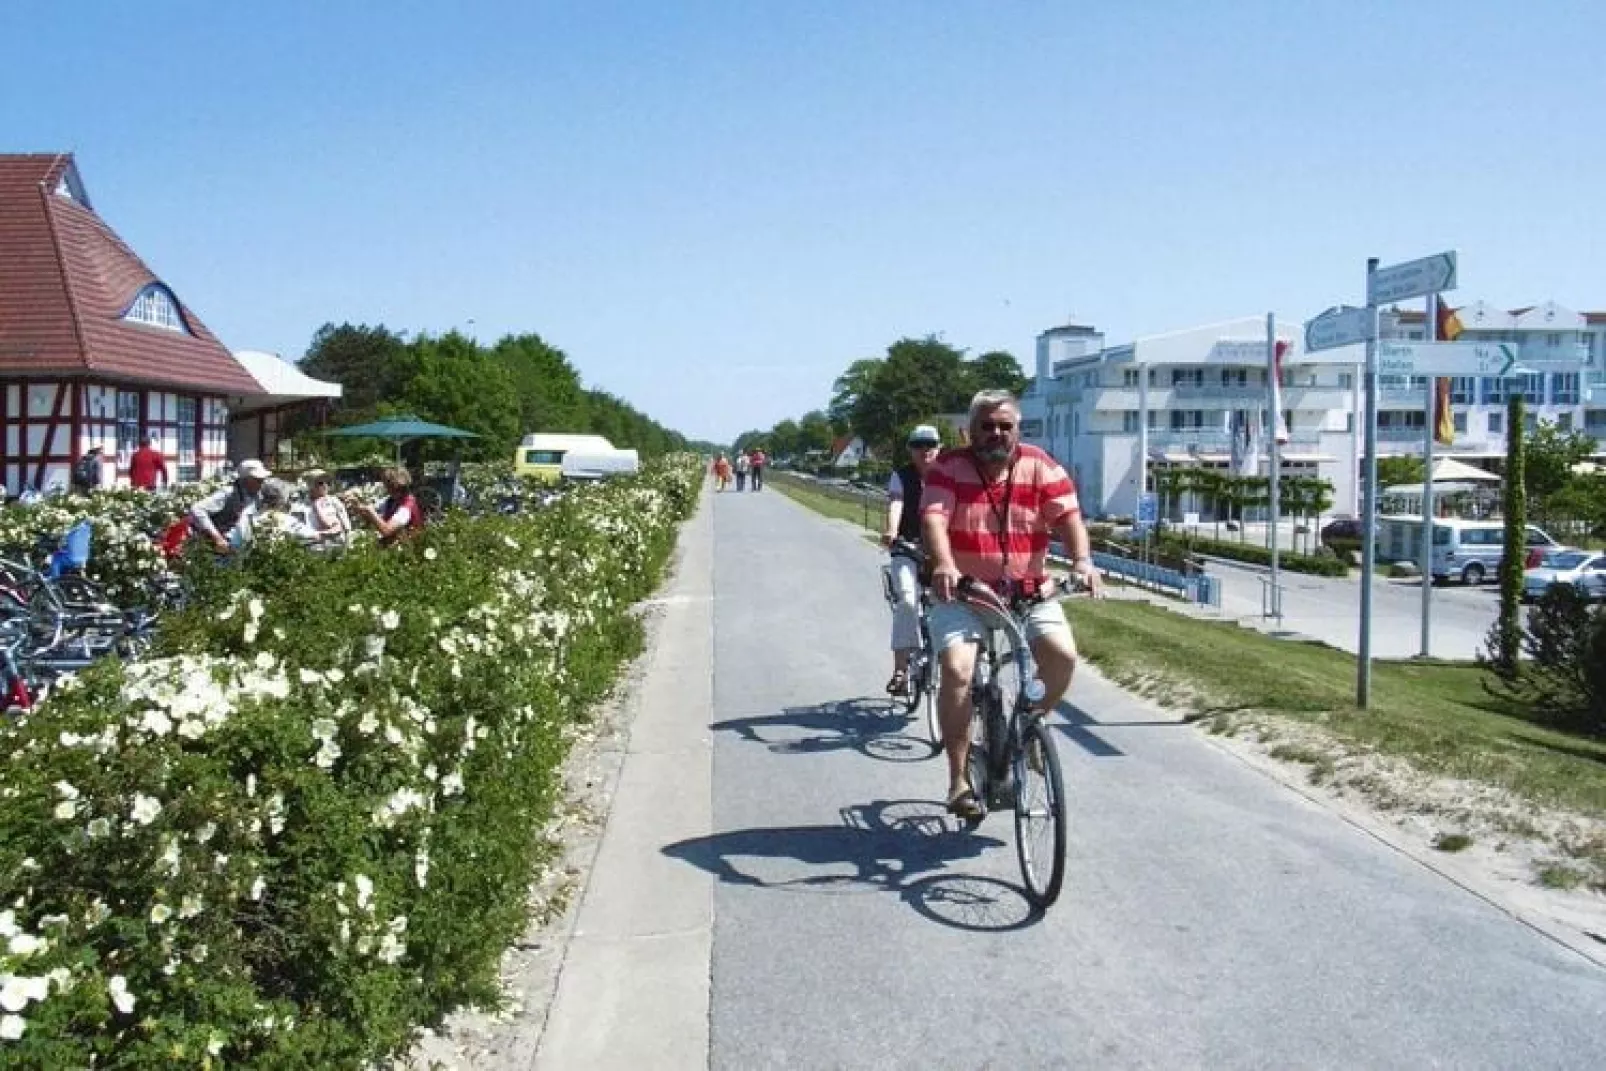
[(1199, 397), (1112, 414), (1561, 352)]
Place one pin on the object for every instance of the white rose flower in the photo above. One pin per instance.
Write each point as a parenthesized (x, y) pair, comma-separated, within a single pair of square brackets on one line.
[(160, 913), (429, 554), (26, 944), (145, 809), (390, 620), (67, 791), (121, 997), (66, 809), (12, 1027), (258, 887)]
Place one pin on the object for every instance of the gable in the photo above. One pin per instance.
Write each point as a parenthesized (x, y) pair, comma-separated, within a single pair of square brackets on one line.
[(1550, 317)]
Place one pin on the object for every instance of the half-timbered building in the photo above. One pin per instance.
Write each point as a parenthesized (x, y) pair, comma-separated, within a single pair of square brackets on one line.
[(95, 349)]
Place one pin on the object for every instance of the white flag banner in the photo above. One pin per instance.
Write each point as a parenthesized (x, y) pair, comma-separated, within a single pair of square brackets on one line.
[(1280, 426)]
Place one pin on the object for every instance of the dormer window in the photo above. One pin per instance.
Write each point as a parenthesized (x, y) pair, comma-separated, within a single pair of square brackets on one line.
[(156, 307)]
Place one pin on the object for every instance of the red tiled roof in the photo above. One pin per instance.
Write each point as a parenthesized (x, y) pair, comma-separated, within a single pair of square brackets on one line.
[(66, 280)]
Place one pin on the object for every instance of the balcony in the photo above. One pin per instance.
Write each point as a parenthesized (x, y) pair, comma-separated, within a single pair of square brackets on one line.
[(1209, 439)]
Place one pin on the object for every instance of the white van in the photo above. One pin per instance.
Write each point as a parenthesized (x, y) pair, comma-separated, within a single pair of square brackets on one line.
[(1469, 551)]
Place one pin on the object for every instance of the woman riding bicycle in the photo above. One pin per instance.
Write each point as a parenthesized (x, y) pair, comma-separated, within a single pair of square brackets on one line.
[(903, 523)]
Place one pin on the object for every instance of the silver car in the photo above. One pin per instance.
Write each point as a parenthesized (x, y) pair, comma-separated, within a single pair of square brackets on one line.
[(1584, 570)]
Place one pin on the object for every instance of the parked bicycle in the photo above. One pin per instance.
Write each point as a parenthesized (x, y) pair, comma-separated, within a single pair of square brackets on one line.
[(1013, 761), (920, 678)]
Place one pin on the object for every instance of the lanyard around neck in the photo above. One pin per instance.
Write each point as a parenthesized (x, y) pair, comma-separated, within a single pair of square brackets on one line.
[(1000, 513)]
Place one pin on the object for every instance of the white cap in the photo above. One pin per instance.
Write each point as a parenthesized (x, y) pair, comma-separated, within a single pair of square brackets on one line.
[(924, 434), (254, 470)]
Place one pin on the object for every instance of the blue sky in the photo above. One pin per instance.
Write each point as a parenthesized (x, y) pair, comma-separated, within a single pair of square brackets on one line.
[(714, 207)]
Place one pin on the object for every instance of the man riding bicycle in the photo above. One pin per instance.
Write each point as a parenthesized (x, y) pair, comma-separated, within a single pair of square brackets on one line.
[(987, 512), (903, 522)]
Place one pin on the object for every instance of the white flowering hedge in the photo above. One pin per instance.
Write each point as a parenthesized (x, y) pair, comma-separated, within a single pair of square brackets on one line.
[(307, 826)]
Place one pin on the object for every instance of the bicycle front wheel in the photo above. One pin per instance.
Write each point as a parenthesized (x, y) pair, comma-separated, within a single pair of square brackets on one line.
[(1040, 815), (928, 678)]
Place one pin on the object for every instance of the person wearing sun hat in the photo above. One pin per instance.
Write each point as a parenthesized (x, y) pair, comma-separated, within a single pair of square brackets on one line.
[(327, 514), (903, 522), (223, 518)]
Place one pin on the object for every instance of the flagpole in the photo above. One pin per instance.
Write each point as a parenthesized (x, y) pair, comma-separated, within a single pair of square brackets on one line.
[(1276, 458), (1431, 334)]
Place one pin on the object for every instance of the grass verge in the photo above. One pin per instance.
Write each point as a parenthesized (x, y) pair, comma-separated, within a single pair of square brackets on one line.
[(1436, 715), (867, 514)]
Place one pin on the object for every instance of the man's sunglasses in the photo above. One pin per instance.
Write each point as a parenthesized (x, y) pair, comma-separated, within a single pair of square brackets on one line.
[(995, 425)]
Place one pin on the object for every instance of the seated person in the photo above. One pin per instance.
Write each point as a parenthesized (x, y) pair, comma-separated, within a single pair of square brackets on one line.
[(326, 513), (224, 517), (397, 515)]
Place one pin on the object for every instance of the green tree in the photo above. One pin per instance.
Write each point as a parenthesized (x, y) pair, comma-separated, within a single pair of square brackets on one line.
[(364, 360), (1394, 471), (852, 385), (995, 370), (550, 394), (452, 381), (785, 438), (918, 379), (814, 432), (1507, 630), (1549, 455)]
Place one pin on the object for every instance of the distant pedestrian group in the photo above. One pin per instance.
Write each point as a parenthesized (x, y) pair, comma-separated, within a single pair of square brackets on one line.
[(748, 468)]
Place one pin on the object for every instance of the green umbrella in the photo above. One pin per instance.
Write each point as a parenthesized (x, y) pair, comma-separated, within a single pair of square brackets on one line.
[(400, 429)]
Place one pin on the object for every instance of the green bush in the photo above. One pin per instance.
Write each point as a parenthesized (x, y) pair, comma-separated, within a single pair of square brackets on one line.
[(307, 826), (1561, 679), (1249, 552)]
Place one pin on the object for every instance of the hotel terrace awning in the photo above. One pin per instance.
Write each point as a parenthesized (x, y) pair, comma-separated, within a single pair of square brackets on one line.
[(282, 383)]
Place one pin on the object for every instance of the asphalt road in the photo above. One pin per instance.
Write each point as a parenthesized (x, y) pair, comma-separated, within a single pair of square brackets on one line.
[(1329, 609), (1211, 917)]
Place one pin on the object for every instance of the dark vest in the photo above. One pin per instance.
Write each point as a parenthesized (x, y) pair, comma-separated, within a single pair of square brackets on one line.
[(909, 521)]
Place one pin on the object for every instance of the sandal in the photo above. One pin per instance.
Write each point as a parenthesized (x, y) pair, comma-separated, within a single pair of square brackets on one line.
[(962, 801), (898, 683)]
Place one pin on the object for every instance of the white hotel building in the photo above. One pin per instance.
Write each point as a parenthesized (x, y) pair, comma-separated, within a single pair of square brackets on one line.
[(1112, 414)]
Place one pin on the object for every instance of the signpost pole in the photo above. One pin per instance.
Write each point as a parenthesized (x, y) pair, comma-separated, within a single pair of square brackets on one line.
[(1431, 334), (1363, 681), (1276, 460)]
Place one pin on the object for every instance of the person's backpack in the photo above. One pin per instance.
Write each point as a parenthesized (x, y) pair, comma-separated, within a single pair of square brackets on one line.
[(83, 471)]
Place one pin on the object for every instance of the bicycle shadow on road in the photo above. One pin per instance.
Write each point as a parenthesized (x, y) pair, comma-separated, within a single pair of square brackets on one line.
[(874, 727), (897, 846)]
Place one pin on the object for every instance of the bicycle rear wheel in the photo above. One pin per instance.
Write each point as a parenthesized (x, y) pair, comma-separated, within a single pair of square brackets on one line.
[(1040, 818)]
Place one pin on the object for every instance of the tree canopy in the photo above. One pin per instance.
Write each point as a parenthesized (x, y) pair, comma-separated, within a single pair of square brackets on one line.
[(520, 384)]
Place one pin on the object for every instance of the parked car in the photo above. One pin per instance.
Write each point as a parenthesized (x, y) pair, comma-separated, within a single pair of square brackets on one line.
[(1342, 534), (1465, 550), (1584, 570)]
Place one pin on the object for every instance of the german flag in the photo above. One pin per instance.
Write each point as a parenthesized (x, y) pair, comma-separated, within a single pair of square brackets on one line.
[(1447, 327)]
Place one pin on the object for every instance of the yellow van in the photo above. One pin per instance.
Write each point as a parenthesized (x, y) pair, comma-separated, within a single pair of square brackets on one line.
[(541, 454)]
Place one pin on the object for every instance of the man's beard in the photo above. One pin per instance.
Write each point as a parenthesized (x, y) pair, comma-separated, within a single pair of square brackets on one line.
[(996, 454)]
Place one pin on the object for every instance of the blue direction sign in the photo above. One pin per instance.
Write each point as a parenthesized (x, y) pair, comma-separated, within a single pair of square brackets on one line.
[(1341, 326), (1413, 279), (1446, 358)]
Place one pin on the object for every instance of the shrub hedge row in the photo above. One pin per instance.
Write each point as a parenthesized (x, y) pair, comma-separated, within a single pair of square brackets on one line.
[(307, 827), (1258, 555)]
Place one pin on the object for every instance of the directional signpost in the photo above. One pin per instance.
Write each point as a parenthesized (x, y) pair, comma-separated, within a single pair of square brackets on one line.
[(1345, 326), (1341, 326), (1446, 358), (1413, 279)]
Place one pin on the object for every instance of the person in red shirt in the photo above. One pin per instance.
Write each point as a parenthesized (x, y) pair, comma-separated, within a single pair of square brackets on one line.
[(987, 511), (146, 464)]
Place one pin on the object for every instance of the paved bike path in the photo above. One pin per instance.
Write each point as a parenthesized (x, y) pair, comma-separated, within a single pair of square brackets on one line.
[(1210, 918)]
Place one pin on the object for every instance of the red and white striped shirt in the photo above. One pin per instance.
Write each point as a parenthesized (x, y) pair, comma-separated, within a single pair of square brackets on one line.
[(1010, 518)]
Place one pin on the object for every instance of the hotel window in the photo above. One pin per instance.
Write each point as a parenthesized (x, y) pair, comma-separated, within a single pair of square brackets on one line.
[(1532, 387), (1564, 388), (1494, 391), (1187, 377), (1129, 420), (189, 464), (1497, 423), (1186, 419), (1564, 421), (127, 423), (1235, 377), (1463, 390), (1154, 419), (1129, 377), (1460, 420), (1346, 380)]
